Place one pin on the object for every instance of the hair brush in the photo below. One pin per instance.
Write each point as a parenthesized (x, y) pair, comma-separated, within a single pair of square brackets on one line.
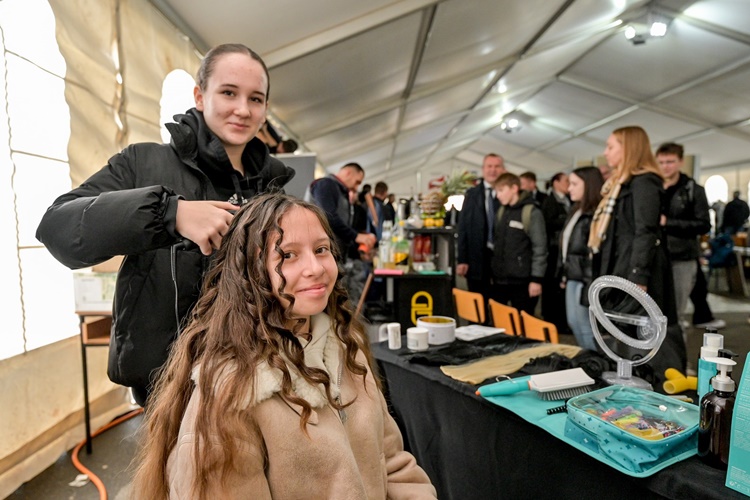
[(562, 384)]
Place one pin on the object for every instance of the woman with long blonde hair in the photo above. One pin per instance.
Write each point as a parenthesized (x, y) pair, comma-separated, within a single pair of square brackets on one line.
[(269, 391), (627, 240)]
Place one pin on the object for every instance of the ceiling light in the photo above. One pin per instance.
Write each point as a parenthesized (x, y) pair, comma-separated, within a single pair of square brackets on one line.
[(638, 32), (658, 28), (511, 125)]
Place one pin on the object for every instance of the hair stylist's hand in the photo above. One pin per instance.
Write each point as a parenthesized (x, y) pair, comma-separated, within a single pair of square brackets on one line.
[(204, 222)]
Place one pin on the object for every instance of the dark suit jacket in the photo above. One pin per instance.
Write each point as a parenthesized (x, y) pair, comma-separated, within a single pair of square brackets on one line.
[(472, 234)]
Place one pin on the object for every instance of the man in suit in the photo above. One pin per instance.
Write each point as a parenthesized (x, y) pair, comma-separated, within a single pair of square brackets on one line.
[(475, 228), (528, 183)]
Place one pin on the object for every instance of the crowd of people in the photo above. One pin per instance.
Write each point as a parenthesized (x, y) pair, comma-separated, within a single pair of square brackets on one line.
[(233, 321), (638, 217)]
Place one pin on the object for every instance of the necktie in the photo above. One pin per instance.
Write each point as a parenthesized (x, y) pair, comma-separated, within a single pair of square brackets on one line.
[(490, 208)]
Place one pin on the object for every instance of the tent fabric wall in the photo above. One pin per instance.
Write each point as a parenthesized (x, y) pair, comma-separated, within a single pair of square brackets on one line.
[(97, 38)]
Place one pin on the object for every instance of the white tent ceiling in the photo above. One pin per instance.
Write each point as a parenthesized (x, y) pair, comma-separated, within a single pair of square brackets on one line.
[(413, 89)]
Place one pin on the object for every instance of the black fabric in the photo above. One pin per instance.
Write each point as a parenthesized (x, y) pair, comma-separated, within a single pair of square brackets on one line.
[(473, 449), (460, 351), (577, 265), (699, 297), (687, 218)]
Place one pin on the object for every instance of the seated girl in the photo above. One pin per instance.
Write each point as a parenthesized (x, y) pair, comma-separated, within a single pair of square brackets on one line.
[(269, 391)]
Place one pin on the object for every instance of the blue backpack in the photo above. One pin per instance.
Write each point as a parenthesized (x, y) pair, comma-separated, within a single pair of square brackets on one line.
[(722, 248)]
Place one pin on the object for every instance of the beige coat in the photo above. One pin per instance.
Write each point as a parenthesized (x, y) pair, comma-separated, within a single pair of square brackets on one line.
[(358, 455)]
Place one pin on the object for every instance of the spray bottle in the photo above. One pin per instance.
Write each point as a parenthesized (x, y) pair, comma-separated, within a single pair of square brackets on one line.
[(712, 342), (716, 410)]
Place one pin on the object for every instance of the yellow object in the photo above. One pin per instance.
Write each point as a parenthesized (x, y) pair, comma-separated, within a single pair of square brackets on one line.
[(477, 372), (421, 305), (438, 222), (505, 317), (429, 222), (535, 328), (677, 382), (469, 305)]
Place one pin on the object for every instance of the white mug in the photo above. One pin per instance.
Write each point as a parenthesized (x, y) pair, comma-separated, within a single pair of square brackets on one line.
[(416, 338), (392, 333)]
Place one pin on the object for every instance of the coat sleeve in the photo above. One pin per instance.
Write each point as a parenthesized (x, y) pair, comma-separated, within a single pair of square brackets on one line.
[(406, 480), (647, 189), (538, 236), (108, 215)]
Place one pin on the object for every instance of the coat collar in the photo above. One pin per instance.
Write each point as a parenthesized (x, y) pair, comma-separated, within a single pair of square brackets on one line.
[(323, 351)]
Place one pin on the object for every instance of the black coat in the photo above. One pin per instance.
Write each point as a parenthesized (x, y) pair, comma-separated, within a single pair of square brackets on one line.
[(634, 248), (577, 265), (687, 218), (129, 208), (472, 233)]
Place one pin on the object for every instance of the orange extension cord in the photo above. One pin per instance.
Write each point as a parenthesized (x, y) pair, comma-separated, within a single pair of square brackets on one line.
[(77, 463)]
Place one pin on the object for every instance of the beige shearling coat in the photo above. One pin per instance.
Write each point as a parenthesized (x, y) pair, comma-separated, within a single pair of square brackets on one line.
[(356, 455)]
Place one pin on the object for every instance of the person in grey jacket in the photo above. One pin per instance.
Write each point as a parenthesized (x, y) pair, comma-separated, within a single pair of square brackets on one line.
[(519, 255), (166, 207)]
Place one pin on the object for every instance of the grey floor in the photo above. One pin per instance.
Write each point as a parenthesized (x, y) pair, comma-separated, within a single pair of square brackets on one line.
[(114, 449)]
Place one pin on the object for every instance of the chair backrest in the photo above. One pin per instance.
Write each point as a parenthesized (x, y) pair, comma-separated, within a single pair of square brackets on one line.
[(469, 305), (535, 328), (505, 317)]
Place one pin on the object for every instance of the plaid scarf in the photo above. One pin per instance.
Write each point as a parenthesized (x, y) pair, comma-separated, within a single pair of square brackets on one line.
[(603, 213)]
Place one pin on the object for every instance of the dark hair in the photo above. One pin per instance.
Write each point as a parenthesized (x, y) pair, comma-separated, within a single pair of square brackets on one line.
[(357, 167), (671, 148), (592, 187), (508, 179), (381, 188), (289, 145), (209, 62), (529, 176), (556, 177)]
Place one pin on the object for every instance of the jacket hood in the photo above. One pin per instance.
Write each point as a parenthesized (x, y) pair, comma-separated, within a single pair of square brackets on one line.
[(194, 141), (524, 198)]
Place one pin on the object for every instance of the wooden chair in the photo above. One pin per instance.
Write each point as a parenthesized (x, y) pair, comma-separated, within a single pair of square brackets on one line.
[(469, 305), (535, 328), (505, 317)]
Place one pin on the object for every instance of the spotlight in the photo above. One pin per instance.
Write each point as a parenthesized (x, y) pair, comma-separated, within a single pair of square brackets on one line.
[(658, 29), (511, 125), (629, 32)]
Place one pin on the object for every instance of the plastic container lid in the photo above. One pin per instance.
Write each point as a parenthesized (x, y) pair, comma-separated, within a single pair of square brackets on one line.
[(722, 382), (712, 342)]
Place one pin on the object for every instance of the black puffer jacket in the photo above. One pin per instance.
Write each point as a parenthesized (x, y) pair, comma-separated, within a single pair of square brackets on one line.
[(687, 218), (577, 265), (129, 208)]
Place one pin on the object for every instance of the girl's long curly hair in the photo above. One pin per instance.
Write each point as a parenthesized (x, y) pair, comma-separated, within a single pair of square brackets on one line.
[(237, 324)]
